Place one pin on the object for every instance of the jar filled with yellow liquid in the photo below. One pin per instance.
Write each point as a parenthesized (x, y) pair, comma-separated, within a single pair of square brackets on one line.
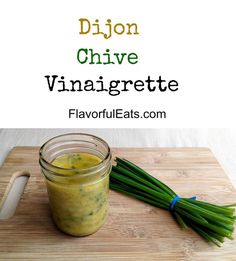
[(76, 168)]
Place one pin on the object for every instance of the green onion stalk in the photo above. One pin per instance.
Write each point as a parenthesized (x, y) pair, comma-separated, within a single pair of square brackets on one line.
[(213, 222)]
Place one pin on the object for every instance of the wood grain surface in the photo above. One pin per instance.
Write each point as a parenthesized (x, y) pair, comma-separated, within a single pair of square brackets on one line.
[(133, 230)]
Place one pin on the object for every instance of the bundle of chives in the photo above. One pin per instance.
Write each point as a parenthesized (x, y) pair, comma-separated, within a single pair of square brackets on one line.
[(211, 221)]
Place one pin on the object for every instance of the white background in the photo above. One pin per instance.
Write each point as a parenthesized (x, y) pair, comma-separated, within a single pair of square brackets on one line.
[(222, 142), (192, 42)]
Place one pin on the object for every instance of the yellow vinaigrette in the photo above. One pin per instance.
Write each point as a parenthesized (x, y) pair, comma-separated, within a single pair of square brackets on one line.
[(79, 204), (76, 161)]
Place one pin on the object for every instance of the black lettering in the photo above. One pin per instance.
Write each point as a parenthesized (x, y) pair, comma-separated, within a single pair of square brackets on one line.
[(51, 85), (172, 84)]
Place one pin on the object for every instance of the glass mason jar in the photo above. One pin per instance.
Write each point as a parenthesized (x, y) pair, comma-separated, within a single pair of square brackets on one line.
[(78, 197)]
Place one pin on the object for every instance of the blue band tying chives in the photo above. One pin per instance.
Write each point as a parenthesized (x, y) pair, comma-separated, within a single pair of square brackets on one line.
[(176, 199)]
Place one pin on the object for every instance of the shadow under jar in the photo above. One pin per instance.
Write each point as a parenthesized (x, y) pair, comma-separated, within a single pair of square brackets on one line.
[(76, 168)]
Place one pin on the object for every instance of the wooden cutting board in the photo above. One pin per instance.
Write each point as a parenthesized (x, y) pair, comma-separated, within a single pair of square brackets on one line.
[(134, 230)]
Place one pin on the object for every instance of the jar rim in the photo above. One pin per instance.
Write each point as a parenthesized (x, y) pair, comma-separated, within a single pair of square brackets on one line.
[(74, 169)]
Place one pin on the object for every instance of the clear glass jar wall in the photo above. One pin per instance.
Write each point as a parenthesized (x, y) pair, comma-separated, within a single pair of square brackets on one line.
[(78, 197)]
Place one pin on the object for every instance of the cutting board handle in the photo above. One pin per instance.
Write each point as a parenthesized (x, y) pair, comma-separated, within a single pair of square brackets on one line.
[(14, 190)]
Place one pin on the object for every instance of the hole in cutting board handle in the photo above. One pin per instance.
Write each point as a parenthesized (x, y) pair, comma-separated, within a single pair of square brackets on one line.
[(13, 193)]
